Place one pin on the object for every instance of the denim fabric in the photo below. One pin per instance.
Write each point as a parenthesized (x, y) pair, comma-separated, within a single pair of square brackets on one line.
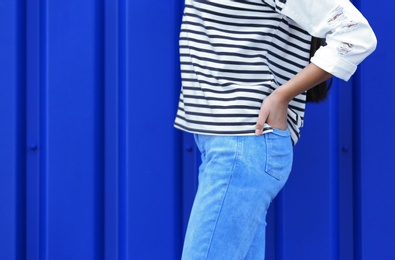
[(238, 178)]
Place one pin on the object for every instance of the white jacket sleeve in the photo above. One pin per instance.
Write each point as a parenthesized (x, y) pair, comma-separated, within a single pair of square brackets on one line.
[(349, 37)]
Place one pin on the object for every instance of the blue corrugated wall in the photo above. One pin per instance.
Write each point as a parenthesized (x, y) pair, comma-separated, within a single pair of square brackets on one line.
[(91, 167)]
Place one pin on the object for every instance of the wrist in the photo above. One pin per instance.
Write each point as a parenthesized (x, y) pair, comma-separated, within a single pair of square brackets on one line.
[(283, 95)]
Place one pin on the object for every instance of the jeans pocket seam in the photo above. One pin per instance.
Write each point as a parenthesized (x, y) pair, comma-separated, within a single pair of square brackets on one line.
[(269, 167)]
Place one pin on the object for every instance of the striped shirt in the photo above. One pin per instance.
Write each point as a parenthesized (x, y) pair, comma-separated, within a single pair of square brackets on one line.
[(233, 54)]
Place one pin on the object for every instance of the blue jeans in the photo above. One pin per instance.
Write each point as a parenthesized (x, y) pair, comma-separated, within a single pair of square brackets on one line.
[(238, 178)]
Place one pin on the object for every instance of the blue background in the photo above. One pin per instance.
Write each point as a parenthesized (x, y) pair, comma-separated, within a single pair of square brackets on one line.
[(92, 168)]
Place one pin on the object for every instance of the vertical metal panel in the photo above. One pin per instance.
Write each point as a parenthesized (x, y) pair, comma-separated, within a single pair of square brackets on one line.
[(375, 140), (345, 170), (153, 172), (112, 228), (307, 210), (12, 139), (190, 164), (34, 238), (64, 99), (273, 230), (70, 48), (124, 42), (72, 99)]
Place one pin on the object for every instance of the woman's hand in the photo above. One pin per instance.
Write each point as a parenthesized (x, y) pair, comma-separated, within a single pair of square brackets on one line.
[(274, 107), (273, 112)]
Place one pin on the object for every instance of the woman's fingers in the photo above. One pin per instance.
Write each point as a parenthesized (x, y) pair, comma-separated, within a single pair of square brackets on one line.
[(260, 124), (273, 112)]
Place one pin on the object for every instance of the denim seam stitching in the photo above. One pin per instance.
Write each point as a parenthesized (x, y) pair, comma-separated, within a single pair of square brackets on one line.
[(223, 198)]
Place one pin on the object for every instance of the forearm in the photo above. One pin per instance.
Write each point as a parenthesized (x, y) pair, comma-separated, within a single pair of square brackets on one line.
[(307, 78)]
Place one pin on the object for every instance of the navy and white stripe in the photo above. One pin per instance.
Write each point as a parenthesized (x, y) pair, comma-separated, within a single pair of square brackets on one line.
[(233, 54)]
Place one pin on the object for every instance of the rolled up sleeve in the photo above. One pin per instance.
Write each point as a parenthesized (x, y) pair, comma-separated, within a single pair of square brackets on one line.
[(349, 37)]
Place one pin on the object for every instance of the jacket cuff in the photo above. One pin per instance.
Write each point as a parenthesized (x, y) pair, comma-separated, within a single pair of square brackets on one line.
[(331, 62)]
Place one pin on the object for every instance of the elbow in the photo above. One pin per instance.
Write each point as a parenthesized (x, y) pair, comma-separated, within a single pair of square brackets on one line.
[(370, 42), (373, 41)]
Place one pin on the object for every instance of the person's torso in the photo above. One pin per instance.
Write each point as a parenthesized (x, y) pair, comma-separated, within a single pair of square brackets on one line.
[(233, 54)]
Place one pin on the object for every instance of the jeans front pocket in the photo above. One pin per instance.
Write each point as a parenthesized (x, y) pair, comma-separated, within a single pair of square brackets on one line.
[(279, 154)]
